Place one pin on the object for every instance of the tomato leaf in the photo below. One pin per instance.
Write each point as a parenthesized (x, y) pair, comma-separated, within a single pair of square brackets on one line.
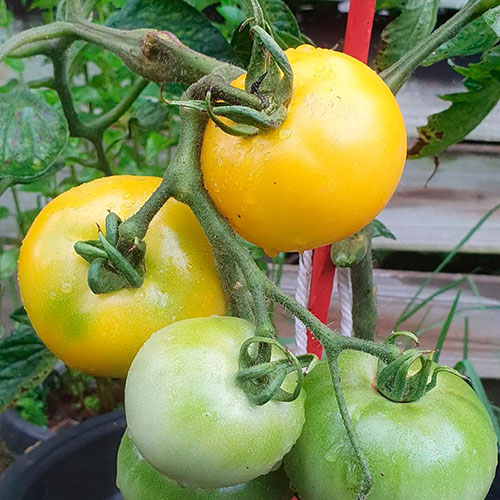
[(190, 26), (8, 263), (24, 363), (33, 135), (4, 212), (415, 22), (467, 110), (19, 315), (476, 37), (148, 115), (379, 229)]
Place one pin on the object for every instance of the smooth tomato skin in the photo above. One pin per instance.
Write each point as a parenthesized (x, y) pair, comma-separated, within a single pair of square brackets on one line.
[(441, 447), (326, 172), (137, 480), (100, 334), (191, 420)]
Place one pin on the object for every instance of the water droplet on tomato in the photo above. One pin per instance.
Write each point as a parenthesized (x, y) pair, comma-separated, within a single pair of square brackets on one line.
[(285, 134), (305, 48), (66, 287)]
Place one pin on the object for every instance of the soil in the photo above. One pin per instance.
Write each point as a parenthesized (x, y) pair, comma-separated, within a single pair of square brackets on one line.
[(65, 408)]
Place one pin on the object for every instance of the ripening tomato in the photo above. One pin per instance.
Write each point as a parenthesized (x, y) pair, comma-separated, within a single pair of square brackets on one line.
[(441, 447), (137, 480), (100, 334), (189, 417), (326, 172)]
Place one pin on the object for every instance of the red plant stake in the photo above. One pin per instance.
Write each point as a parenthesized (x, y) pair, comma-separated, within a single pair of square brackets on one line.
[(357, 44)]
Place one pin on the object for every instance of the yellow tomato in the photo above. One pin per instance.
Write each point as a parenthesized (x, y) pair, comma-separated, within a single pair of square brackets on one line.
[(100, 334), (326, 172)]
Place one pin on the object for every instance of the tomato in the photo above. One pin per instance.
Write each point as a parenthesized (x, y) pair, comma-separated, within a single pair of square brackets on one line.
[(100, 334), (189, 417), (137, 480), (441, 447), (326, 172)]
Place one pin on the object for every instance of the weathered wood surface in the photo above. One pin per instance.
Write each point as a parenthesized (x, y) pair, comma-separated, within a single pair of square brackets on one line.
[(394, 290), (437, 216)]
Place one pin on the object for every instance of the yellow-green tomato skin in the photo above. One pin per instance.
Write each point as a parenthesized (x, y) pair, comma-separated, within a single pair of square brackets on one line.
[(326, 172), (441, 447), (191, 420), (100, 334), (137, 480)]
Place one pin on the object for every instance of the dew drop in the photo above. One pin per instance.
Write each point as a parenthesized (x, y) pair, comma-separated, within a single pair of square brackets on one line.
[(66, 287), (285, 133), (305, 49)]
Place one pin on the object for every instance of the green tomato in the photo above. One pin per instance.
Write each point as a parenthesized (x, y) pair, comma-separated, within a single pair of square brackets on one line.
[(137, 480), (189, 417), (441, 447)]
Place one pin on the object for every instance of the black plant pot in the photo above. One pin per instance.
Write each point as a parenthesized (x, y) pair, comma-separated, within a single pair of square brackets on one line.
[(20, 434), (79, 463)]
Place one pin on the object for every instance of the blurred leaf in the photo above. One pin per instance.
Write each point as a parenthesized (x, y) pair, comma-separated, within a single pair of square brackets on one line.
[(178, 17), (379, 229), (26, 218), (476, 37), (155, 144), (32, 136), (415, 22), (467, 110), (5, 15), (8, 263), (285, 28), (148, 115), (24, 363), (390, 4), (201, 4), (19, 315), (4, 212), (467, 368), (16, 64)]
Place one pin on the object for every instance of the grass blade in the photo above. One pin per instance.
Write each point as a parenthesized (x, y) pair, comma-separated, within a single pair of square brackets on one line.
[(445, 262), (446, 328)]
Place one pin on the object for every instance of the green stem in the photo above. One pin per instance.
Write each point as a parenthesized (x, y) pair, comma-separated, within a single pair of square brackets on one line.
[(107, 119), (328, 338), (367, 481), (33, 35), (364, 304), (19, 212), (397, 74)]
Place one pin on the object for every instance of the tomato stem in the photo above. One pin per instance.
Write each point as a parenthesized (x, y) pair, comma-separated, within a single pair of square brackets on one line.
[(364, 304), (367, 479)]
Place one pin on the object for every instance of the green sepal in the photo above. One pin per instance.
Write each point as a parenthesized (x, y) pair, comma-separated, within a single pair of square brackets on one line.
[(112, 223), (262, 381), (90, 250), (399, 381), (133, 278), (103, 279)]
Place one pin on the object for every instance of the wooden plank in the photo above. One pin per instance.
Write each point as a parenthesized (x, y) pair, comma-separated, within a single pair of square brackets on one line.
[(437, 216), (394, 290)]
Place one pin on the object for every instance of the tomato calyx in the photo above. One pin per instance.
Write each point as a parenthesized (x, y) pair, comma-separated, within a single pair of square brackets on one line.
[(262, 381), (111, 267), (399, 382), (269, 80)]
